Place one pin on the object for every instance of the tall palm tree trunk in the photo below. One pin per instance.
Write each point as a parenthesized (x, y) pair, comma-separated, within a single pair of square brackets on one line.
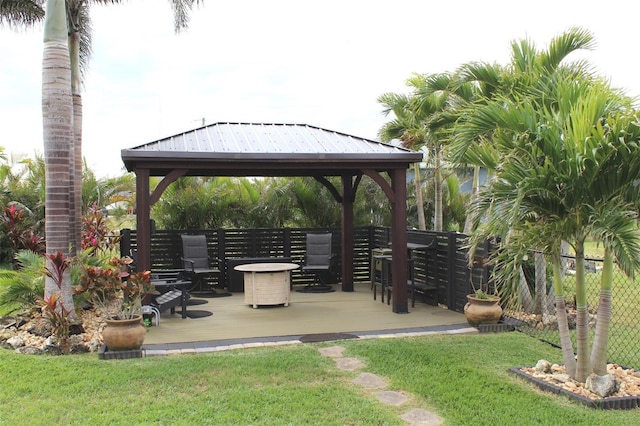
[(437, 221), (75, 163), (475, 185), (601, 339), (541, 283), (422, 223), (568, 356), (57, 135), (582, 317)]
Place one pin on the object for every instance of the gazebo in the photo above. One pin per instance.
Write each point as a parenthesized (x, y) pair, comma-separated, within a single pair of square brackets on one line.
[(272, 149)]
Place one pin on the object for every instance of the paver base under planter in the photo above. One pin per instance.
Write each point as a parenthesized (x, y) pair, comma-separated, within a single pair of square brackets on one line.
[(614, 403), (506, 323), (495, 328), (105, 353)]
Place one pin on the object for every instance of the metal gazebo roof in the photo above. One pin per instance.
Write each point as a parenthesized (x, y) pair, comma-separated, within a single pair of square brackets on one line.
[(265, 149), (271, 149)]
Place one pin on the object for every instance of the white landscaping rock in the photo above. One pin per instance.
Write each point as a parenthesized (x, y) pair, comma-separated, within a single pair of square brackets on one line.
[(543, 366), (15, 342), (602, 385)]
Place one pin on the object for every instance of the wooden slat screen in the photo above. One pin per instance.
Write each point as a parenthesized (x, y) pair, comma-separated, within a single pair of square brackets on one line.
[(445, 266)]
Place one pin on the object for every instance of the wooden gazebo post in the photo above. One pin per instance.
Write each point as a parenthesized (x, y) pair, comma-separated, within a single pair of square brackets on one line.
[(348, 196), (143, 220), (399, 300)]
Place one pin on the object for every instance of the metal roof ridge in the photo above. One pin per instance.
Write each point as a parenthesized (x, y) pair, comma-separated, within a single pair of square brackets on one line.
[(257, 124)]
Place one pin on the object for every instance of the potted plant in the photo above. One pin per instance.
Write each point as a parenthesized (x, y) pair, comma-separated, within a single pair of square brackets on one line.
[(117, 294), (482, 306)]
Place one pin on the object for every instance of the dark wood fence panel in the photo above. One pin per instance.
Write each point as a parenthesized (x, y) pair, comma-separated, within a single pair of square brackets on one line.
[(459, 272), (362, 254), (444, 264), (237, 243), (381, 236), (425, 261)]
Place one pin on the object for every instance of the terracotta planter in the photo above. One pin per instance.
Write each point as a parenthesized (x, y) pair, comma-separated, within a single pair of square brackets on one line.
[(124, 335), (482, 311)]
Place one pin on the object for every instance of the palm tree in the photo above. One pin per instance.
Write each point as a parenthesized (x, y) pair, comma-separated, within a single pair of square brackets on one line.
[(403, 127), (20, 288), (204, 203), (472, 83), (79, 39), (105, 192), (564, 150), (23, 182), (273, 207), (529, 71), (316, 207), (79, 25), (432, 100), (21, 13), (419, 124), (486, 81), (57, 110), (62, 115), (371, 206)]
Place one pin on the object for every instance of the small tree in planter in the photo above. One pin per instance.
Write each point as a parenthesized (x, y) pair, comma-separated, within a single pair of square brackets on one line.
[(117, 294), (483, 307), (113, 290)]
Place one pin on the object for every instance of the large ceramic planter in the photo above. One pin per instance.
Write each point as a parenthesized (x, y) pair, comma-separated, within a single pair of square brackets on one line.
[(124, 335), (482, 311)]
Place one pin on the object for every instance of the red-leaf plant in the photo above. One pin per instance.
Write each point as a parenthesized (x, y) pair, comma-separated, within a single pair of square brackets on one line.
[(59, 264), (95, 235), (115, 291), (51, 307), (58, 316)]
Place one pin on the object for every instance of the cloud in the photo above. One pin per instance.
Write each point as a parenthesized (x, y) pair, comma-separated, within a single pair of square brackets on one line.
[(320, 63)]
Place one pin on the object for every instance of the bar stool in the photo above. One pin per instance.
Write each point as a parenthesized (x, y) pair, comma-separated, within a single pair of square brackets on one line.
[(385, 277)]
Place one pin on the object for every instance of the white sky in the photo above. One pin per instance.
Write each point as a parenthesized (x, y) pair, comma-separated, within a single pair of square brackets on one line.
[(322, 63)]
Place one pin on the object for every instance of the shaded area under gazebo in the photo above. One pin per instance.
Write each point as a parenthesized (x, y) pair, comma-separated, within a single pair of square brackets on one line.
[(266, 149), (232, 321)]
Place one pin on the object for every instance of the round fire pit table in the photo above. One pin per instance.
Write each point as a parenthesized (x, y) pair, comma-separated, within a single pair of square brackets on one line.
[(267, 283)]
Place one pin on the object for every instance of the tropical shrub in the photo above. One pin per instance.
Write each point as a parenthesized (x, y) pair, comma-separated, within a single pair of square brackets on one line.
[(115, 291), (16, 226), (95, 234), (20, 288)]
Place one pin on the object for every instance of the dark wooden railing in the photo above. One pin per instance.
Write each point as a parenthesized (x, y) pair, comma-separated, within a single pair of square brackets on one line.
[(445, 265)]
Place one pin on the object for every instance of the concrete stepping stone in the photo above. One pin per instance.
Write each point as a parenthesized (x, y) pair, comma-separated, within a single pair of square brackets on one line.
[(349, 364), (391, 397), (370, 381), (332, 351), (421, 417)]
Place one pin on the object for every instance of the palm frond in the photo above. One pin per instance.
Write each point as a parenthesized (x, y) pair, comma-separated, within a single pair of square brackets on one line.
[(19, 14)]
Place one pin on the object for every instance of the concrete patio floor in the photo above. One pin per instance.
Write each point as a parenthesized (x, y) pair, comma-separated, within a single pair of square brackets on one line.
[(308, 313)]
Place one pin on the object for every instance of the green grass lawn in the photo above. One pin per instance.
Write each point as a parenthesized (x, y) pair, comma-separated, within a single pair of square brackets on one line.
[(462, 378), (593, 249)]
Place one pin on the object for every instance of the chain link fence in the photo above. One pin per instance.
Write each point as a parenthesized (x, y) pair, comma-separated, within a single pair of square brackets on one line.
[(624, 331)]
